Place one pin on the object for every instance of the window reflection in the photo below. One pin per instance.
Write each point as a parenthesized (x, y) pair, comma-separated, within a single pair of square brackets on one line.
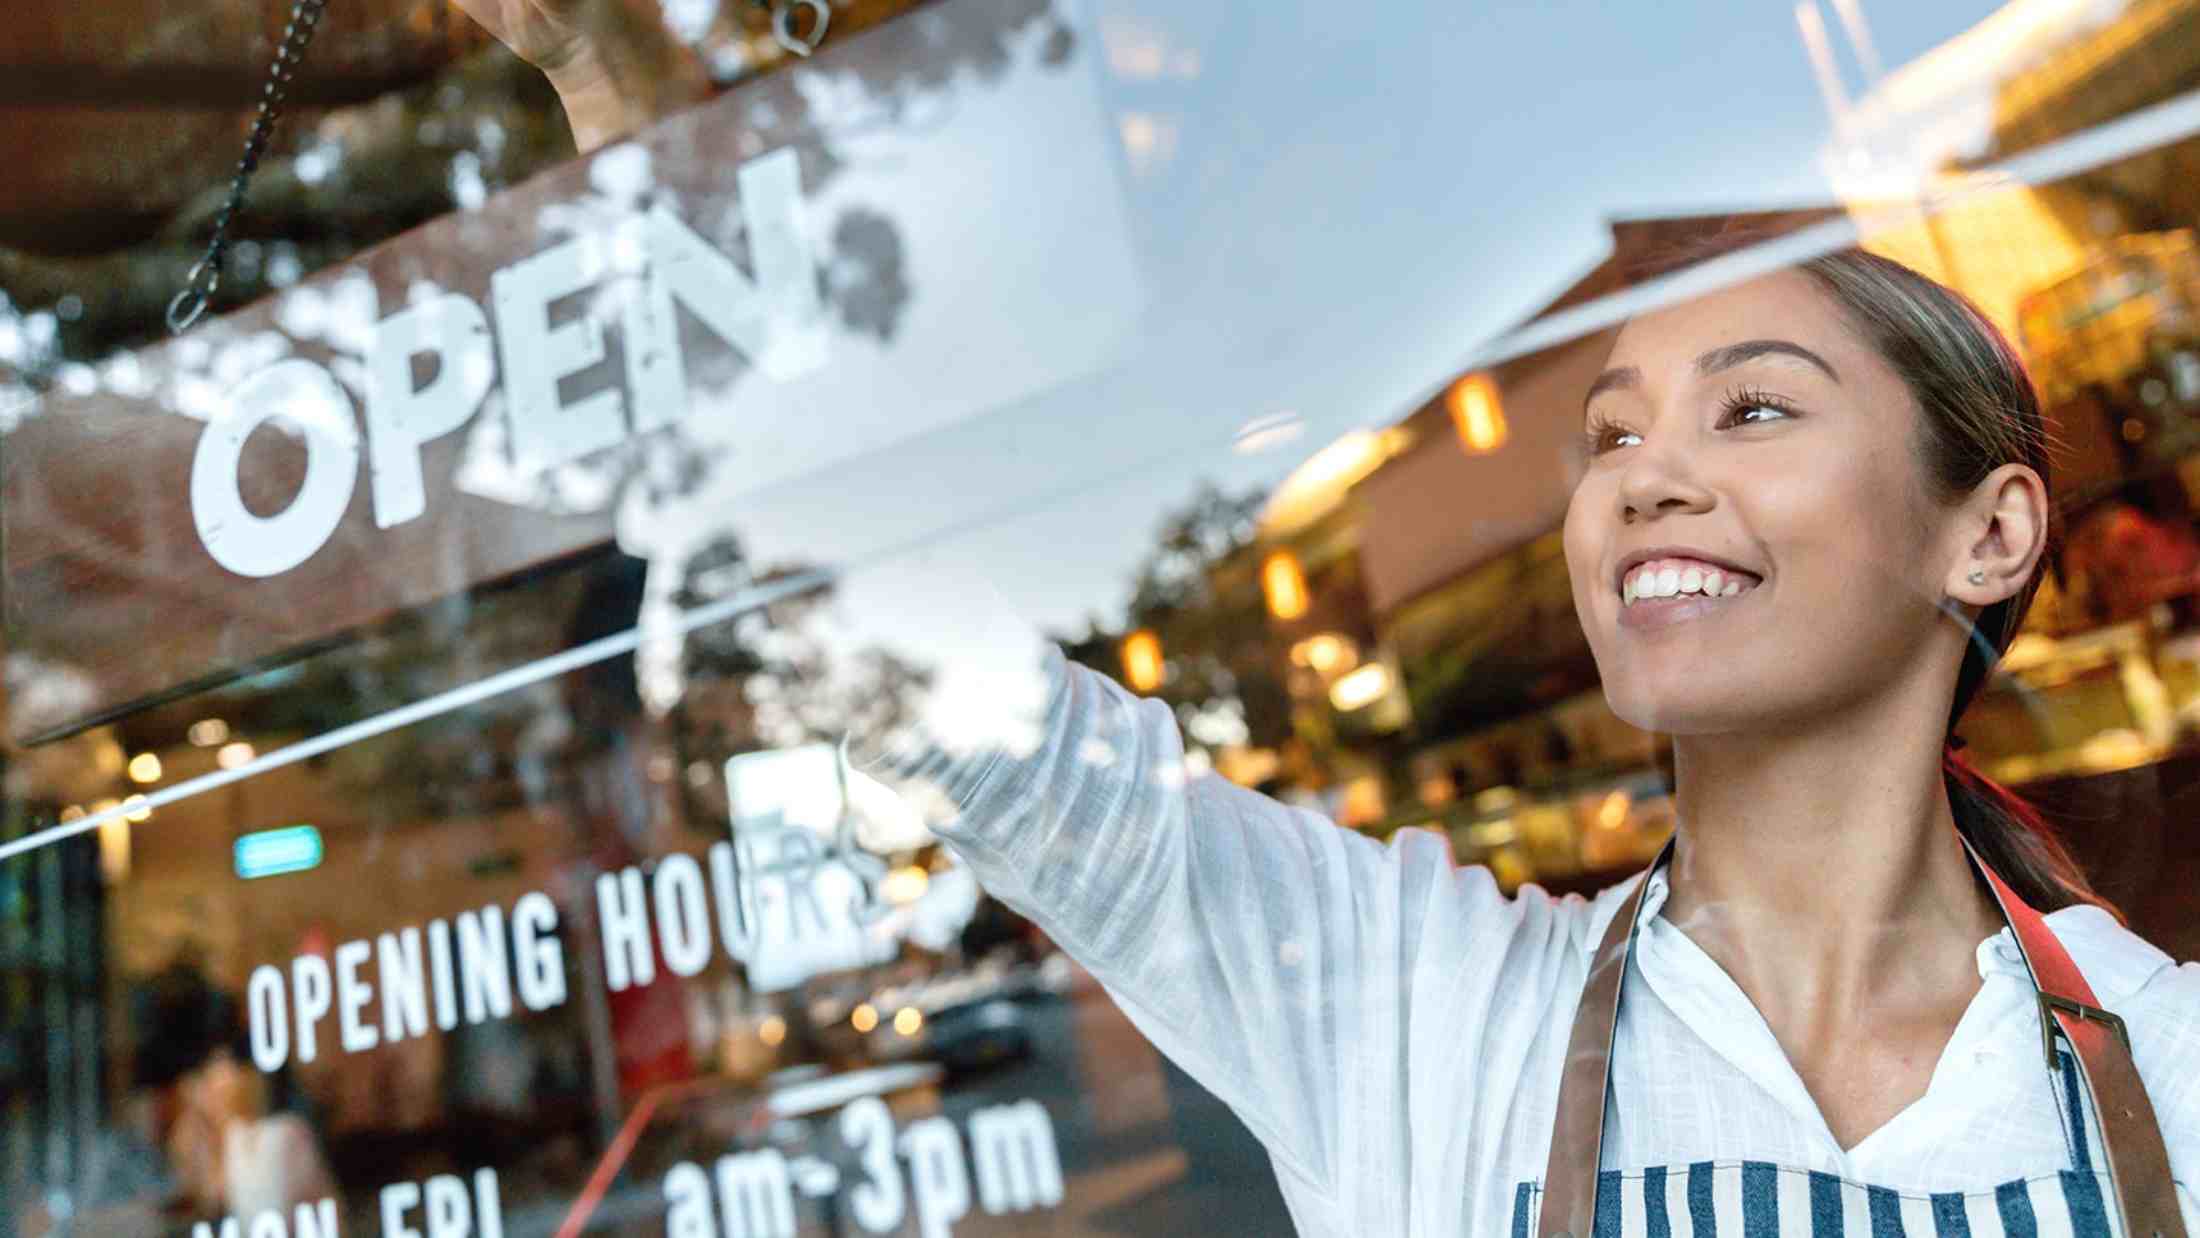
[(1152, 330)]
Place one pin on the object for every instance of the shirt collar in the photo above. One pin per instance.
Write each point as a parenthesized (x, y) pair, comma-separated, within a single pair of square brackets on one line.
[(2115, 961), (1654, 897), (1611, 901)]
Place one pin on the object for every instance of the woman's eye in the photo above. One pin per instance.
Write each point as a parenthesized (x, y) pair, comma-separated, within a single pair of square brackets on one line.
[(1602, 436), (1751, 409)]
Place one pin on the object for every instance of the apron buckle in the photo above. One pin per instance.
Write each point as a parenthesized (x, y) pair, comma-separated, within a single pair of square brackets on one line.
[(2051, 1002)]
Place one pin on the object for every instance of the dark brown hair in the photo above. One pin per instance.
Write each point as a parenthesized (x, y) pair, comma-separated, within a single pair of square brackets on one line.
[(1977, 411)]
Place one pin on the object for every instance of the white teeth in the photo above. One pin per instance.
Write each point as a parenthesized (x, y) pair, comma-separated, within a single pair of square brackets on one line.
[(1653, 582)]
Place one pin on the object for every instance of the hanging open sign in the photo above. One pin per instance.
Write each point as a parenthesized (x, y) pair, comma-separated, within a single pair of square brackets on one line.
[(837, 257), (775, 320)]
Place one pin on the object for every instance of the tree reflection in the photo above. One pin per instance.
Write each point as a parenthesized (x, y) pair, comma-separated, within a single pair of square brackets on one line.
[(1196, 590)]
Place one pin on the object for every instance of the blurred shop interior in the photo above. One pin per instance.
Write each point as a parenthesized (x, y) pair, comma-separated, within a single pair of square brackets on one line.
[(1386, 637)]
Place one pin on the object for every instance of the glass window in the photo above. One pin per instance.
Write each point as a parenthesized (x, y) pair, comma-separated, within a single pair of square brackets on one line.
[(548, 707)]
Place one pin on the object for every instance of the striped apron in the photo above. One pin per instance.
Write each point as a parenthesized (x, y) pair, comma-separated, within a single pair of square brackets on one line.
[(1756, 1199), (1750, 1199)]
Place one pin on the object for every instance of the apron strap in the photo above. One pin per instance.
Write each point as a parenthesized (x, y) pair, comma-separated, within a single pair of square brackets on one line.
[(2138, 1165), (1577, 1137), (2130, 1137)]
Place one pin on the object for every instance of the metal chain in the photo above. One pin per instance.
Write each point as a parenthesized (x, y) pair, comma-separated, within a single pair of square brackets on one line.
[(206, 273)]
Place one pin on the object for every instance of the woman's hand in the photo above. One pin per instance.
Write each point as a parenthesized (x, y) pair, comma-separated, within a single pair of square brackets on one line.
[(614, 64), (548, 34)]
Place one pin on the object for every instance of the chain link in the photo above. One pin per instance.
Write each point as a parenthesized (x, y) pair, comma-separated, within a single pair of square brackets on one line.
[(206, 273)]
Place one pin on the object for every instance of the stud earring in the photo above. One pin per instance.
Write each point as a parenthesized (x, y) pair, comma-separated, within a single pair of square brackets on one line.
[(1977, 576)]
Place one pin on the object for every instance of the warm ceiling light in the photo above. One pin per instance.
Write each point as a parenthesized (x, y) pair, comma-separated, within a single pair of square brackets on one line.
[(114, 851), (1314, 489), (1143, 668), (772, 1030), (234, 755), (145, 767), (209, 732), (143, 808), (1361, 688), (1612, 813), (1477, 414), (1283, 584), (907, 1020), (865, 1018), (1326, 653)]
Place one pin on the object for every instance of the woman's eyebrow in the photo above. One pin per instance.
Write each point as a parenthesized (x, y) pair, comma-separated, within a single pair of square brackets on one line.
[(1731, 355), (1612, 379), (1722, 358)]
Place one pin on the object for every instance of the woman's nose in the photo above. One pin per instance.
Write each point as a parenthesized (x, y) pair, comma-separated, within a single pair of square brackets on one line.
[(1661, 481)]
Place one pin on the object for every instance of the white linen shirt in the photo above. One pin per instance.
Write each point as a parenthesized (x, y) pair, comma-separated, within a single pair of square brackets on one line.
[(1390, 1024)]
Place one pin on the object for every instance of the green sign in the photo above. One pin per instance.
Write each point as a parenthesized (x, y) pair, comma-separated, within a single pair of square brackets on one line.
[(291, 849)]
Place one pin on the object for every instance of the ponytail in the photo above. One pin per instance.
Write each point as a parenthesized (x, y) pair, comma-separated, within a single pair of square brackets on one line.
[(2010, 836)]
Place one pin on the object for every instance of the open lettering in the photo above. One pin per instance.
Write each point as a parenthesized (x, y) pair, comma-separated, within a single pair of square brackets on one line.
[(774, 319), (470, 969)]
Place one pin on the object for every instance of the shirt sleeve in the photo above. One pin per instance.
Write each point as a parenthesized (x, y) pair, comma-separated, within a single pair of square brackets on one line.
[(1264, 949)]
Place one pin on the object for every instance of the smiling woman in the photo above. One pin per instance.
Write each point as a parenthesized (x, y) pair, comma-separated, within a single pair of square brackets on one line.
[(1926, 372), (1861, 509), (1813, 512)]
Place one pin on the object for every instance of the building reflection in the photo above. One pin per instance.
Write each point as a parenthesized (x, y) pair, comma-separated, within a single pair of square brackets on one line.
[(1424, 631)]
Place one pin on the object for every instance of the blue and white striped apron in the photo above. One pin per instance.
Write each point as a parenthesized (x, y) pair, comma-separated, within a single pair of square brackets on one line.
[(1756, 1199)]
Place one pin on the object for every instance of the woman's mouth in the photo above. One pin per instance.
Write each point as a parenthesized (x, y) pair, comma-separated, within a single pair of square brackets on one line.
[(1667, 591)]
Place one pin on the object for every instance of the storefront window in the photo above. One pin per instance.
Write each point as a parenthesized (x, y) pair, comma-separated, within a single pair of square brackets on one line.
[(462, 691)]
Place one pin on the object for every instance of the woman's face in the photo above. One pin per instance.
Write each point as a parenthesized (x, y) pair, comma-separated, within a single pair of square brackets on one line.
[(1752, 473)]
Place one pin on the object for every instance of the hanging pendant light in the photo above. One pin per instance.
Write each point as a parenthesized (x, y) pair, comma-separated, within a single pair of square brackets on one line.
[(1283, 585), (1477, 414), (1143, 668)]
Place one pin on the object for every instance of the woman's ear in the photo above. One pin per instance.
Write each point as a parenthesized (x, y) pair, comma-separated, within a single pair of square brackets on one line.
[(2002, 529)]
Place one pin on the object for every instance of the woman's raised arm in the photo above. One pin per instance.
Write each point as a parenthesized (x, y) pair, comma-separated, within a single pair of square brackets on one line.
[(1263, 948), (614, 64)]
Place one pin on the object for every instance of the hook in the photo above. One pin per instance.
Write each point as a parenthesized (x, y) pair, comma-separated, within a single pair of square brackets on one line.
[(180, 318), (783, 25)]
